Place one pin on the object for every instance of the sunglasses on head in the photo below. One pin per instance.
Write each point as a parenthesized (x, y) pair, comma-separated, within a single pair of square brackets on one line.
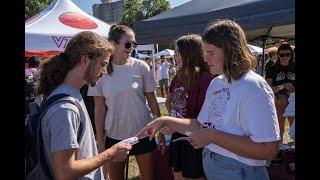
[(285, 54), (130, 44)]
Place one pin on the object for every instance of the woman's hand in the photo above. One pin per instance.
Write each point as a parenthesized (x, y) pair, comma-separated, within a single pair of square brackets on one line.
[(200, 138), (152, 128), (277, 88), (289, 86), (166, 130), (119, 152)]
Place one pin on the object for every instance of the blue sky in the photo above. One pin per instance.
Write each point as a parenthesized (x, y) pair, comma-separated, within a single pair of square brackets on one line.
[(86, 5)]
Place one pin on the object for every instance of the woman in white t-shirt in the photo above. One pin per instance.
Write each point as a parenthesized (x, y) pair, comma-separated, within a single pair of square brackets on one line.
[(237, 124), (120, 103)]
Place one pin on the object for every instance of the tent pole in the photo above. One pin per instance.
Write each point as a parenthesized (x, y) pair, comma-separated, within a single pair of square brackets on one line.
[(153, 60), (263, 57), (153, 65), (263, 50)]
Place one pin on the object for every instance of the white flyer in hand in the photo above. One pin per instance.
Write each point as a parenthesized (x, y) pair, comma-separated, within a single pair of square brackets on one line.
[(187, 133), (132, 141)]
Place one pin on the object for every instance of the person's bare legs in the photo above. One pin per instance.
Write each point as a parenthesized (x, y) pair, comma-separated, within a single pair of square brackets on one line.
[(281, 104), (281, 121), (290, 119), (161, 84), (161, 90), (105, 170), (166, 91), (146, 166), (116, 170)]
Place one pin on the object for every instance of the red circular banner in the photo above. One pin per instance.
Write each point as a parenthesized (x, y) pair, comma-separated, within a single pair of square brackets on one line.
[(77, 20)]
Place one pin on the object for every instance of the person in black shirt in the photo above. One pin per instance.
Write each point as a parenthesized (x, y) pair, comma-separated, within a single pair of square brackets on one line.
[(281, 77), (89, 102)]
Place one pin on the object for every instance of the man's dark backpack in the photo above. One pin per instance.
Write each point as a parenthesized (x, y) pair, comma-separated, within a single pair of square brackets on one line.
[(36, 161)]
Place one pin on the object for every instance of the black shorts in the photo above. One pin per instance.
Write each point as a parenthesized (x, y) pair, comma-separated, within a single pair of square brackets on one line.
[(143, 146), (164, 83), (185, 159)]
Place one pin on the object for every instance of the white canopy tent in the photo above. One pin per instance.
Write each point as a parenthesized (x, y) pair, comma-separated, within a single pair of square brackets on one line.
[(255, 50), (145, 47), (148, 47), (51, 29), (166, 53), (142, 56)]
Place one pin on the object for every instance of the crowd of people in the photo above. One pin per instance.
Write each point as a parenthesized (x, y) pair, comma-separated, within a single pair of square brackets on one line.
[(279, 72), (226, 121), (165, 70), (280, 75)]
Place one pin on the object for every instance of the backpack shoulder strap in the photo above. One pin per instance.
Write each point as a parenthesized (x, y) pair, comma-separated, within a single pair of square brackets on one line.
[(43, 109), (49, 102), (59, 98)]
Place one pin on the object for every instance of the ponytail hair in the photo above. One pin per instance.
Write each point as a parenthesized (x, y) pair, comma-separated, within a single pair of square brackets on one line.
[(55, 69), (109, 66)]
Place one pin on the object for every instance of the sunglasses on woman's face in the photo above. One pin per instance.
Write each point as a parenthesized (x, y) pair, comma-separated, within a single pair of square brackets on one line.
[(285, 54), (130, 44)]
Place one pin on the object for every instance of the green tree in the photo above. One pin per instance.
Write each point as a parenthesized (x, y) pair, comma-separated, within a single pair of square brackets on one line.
[(32, 7), (167, 45), (137, 10), (154, 7), (132, 12)]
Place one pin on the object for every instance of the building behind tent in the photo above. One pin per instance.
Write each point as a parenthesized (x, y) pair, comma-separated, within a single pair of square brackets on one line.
[(108, 11)]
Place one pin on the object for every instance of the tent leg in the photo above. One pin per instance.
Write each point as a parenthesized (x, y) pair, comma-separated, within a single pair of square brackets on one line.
[(263, 49), (263, 56), (153, 66)]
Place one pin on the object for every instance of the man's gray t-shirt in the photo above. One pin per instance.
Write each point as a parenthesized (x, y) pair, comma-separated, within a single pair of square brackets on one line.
[(60, 129)]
